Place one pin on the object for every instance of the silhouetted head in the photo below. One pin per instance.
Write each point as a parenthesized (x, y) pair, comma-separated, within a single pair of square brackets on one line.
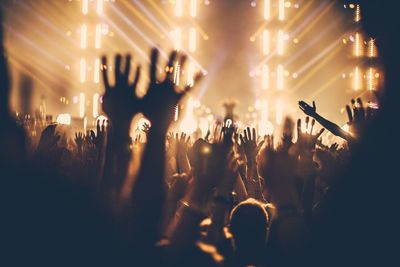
[(249, 224)]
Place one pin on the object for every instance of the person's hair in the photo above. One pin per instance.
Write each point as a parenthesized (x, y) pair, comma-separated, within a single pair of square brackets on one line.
[(249, 224)]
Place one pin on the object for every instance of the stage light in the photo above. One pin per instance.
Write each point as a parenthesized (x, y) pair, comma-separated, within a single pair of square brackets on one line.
[(193, 8), (96, 71), (64, 119), (95, 105), (97, 42), (281, 12), (178, 8), (83, 36), (357, 79), (267, 9), (357, 14), (85, 6), (178, 39), (279, 111), (81, 105), (177, 73), (371, 48), (82, 70), (266, 41), (371, 79), (190, 74), (189, 124), (192, 39), (280, 42), (99, 7), (279, 77), (265, 77), (358, 45), (176, 113)]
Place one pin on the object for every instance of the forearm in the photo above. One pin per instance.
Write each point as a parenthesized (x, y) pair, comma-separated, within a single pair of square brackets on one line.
[(183, 162), (254, 187), (148, 194), (332, 127)]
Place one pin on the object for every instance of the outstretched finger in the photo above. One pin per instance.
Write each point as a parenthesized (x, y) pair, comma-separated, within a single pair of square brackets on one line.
[(104, 72), (170, 64), (117, 68), (137, 77), (312, 126), (153, 65), (127, 68), (320, 132), (349, 113), (298, 127)]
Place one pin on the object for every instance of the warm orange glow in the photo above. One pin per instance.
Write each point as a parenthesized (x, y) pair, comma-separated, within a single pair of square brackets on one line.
[(95, 112), (193, 8), (358, 45), (357, 79), (81, 105), (178, 8), (267, 9), (279, 77), (97, 42), (83, 36), (281, 9), (192, 39), (85, 6), (82, 70), (96, 71), (280, 42), (265, 42), (99, 7), (265, 77)]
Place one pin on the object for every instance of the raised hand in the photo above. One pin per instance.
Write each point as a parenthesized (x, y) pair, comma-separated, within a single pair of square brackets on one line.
[(99, 137), (120, 102), (48, 139), (79, 138), (249, 144), (146, 128), (306, 141), (358, 117), (307, 109), (163, 95)]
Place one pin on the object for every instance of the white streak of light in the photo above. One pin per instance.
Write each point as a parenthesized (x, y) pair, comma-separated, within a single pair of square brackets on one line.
[(83, 36), (192, 39), (81, 105), (97, 42), (95, 105), (82, 70)]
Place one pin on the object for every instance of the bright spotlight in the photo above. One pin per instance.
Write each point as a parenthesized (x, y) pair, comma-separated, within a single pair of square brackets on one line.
[(95, 105), (267, 9), (265, 40), (82, 70), (280, 42), (192, 39), (279, 77), (265, 77), (97, 41), (83, 36), (64, 119), (281, 12), (81, 105)]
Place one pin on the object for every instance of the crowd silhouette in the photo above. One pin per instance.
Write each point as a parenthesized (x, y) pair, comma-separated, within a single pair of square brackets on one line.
[(231, 198)]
